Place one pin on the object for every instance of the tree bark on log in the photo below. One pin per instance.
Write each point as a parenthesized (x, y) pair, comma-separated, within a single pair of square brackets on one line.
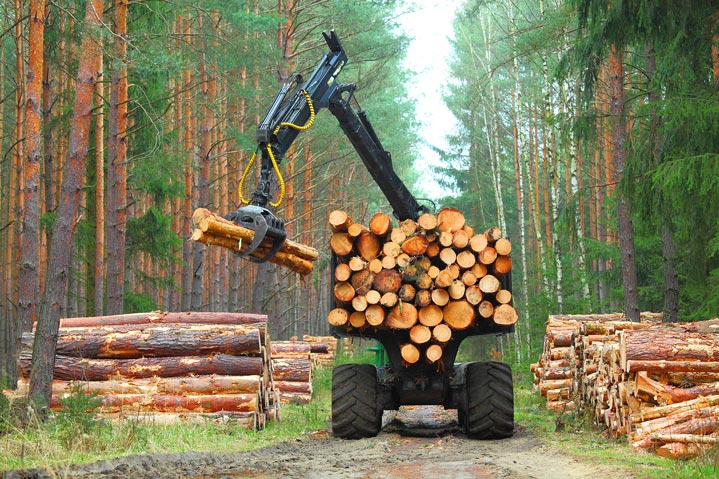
[(203, 385), (664, 366), (291, 370), (81, 369), (161, 317), (155, 340), (292, 349), (668, 344), (294, 387), (206, 221), (289, 261), (174, 403)]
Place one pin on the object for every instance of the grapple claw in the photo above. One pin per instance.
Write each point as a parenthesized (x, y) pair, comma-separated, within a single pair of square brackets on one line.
[(265, 225)]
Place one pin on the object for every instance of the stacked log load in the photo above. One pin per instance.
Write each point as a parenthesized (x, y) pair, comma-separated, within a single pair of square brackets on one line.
[(430, 278), (166, 366), (658, 384), (292, 370)]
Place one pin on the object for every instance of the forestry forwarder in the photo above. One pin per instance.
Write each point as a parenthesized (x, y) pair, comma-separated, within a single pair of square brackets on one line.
[(482, 392)]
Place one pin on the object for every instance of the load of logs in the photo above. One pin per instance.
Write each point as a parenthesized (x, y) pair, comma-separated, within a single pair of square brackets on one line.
[(658, 384), (429, 277), (212, 229), (165, 366), (292, 371)]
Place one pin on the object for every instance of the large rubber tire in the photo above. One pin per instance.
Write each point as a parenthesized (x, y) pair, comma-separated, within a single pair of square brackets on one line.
[(489, 407), (356, 409)]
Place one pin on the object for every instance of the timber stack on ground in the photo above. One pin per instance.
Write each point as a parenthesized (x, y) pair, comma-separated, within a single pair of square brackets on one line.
[(430, 278), (212, 229), (659, 386), (324, 349), (566, 372), (165, 366), (292, 371)]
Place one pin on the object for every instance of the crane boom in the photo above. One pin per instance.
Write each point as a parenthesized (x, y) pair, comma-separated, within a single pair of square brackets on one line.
[(292, 111)]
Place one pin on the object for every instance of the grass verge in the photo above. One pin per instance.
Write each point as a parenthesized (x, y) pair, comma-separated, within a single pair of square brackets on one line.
[(77, 437)]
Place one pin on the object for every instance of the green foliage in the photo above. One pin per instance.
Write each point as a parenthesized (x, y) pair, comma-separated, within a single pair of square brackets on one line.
[(76, 436), (76, 423), (5, 419), (47, 221), (152, 233), (138, 303)]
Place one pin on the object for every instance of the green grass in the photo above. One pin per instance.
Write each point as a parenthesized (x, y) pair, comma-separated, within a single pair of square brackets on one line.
[(77, 437)]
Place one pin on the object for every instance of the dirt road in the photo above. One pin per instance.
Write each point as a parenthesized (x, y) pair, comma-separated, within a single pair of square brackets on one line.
[(417, 443)]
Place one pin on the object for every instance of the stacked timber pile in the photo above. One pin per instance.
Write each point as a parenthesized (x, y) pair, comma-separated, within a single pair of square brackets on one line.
[(658, 384), (166, 366), (427, 279), (671, 380), (212, 229), (566, 372), (292, 370), (323, 349)]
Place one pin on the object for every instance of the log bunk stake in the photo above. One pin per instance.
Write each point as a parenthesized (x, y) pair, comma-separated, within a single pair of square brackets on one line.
[(428, 278), (166, 367), (657, 384)]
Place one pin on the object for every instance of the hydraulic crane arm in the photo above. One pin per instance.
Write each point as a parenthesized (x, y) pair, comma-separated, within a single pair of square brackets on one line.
[(293, 111)]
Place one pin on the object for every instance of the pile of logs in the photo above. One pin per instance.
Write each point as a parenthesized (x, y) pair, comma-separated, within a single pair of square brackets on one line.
[(658, 384), (324, 349), (166, 366), (429, 278), (212, 229), (292, 370), (566, 373)]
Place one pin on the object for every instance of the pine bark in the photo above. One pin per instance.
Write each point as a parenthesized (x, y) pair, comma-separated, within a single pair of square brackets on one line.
[(117, 167), (64, 229), (624, 214), (28, 277)]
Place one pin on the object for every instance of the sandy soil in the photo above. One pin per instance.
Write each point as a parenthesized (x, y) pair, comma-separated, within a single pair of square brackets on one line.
[(416, 443)]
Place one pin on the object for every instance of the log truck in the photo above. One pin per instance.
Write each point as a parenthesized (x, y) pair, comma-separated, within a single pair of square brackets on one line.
[(482, 392)]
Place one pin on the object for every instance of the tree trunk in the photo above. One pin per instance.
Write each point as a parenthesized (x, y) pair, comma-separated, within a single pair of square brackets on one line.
[(28, 280), (64, 228), (117, 167), (624, 213), (99, 259)]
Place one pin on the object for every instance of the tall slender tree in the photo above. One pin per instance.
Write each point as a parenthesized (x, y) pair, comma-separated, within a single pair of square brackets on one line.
[(116, 209), (48, 324)]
